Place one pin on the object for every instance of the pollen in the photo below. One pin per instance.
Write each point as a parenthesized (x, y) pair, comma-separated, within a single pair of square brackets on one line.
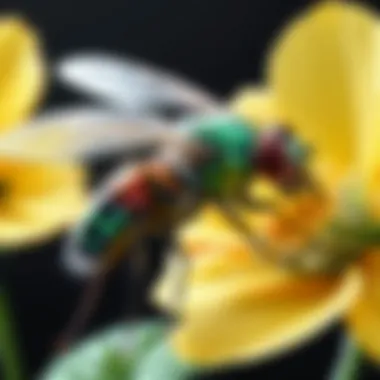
[(295, 224), (299, 217)]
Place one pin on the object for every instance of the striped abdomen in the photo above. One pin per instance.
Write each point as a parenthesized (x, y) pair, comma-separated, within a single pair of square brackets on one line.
[(147, 199)]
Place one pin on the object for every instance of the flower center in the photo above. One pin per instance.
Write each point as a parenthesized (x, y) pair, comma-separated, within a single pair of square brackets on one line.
[(324, 237)]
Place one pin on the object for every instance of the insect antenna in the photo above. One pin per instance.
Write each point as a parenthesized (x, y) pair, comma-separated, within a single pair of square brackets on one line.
[(87, 305)]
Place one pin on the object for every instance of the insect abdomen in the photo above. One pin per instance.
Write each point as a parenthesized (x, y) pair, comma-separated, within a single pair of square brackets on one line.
[(109, 221), (124, 208), (148, 201)]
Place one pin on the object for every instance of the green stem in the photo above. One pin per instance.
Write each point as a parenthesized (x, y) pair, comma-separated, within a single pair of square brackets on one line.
[(9, 357), (349, 362)]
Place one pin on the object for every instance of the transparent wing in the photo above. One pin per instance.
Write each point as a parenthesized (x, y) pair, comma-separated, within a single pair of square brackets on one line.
[(132, 84), (78, 133)]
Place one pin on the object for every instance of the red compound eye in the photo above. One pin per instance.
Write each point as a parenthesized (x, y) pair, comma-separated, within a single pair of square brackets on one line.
[(271, 159), (136, 195)]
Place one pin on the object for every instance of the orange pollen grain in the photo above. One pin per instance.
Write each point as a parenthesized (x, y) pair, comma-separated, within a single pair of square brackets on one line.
[(299, 220)]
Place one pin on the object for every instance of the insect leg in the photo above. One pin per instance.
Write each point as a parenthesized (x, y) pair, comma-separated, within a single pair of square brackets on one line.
[(88, 303), (182, 266), (255, 204), (258, 244), (306, 183), (176, 274), (138, 271)]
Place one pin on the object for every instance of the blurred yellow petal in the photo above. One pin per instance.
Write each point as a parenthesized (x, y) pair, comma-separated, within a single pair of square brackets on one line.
[(237, 310), (256, 105), (364, 319), (322, 71), (16, 233), (25, 178), (369, 173), (22, 71), (37, 200)]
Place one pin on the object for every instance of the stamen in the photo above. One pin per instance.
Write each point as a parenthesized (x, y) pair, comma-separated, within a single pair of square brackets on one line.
[(329, 234), (342, 240)]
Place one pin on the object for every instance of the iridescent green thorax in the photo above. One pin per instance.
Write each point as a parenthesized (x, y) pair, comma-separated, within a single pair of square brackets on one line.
[(232, 143)]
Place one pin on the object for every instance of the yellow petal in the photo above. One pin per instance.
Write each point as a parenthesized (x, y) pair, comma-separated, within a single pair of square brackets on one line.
[(322, 73), (38, 200), (208, 230), (237, 310), (364, 319), (22, 71), (369, 174), (256, 105)]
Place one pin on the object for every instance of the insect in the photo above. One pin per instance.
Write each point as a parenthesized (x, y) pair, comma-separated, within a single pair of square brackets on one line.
[(212, 156)]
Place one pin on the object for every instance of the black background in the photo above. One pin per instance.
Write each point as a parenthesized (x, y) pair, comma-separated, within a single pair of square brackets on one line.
[(219, 43)]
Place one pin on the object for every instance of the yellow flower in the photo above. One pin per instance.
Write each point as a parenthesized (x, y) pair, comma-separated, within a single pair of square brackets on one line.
[(323, 80), (36, 199)]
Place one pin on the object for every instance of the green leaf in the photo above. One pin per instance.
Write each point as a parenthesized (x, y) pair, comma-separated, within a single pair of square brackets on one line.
[(110, 355), (160, 363)]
